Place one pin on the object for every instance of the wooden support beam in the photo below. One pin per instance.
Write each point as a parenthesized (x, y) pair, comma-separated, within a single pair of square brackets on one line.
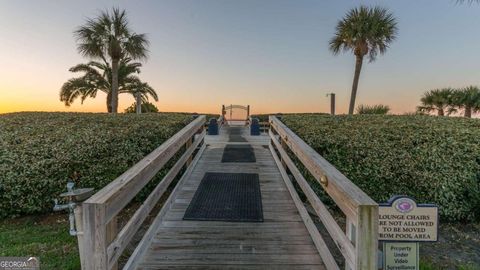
[(366, 243), (95, 236), (112, 229)]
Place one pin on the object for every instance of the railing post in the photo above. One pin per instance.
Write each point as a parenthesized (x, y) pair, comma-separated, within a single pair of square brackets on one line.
[(367, 237), (187, 146), (78, 212), (95, 237), (285, 147), (351, 232), (363, 233), (112, 230)]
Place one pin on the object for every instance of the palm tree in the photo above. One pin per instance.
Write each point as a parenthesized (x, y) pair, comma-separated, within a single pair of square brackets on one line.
[(98, 77), (468, 99), (439, 100), (364, 31), (109, 38)]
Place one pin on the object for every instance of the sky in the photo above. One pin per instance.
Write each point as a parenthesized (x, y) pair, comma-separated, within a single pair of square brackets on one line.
[(270, 54)]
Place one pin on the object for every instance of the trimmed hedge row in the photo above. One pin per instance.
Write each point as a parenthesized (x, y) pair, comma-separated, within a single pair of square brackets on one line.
[(40, 152), (264, 117), (433, 159)]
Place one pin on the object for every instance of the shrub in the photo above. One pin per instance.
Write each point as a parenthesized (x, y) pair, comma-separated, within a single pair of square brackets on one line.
[(264, 117), (147, 107), (432, 159), (40, 152), (373, 109)]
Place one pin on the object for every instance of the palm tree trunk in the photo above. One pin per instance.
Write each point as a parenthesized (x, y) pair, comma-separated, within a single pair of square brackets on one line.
[(109, 102), (138, 102), (115, 85), (468, 112), (358, 68), (441, 112)]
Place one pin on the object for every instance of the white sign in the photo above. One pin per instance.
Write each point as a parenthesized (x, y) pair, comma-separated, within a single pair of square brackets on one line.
[(400, 256), (403, 220)]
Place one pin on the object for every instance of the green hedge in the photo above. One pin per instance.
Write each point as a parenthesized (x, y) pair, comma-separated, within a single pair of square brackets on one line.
[(40, 152), (433, 159), (264, 117)]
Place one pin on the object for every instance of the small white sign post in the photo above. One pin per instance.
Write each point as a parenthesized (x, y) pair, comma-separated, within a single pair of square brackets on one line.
[(400, 256), (402, 224)]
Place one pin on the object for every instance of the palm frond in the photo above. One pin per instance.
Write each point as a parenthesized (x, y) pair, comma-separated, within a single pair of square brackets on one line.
[(74, 88), (97, 77), (109, 35), (365, 30), (137, 46), (135, 86), (438, 99)]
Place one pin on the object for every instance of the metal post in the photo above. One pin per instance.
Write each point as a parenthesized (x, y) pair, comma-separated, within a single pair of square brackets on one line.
[(332, 103)]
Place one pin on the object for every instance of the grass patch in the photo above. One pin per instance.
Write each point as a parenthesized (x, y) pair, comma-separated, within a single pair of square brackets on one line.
[(45, 237)]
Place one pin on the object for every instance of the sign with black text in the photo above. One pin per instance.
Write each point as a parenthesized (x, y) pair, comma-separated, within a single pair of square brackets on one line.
[(401, 219), (400, 256)]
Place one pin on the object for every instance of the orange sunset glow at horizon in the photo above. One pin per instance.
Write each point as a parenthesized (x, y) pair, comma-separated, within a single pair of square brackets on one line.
[(274, 57)]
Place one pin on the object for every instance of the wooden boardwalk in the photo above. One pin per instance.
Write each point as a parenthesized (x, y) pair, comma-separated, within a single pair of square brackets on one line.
[(280, 242), (286, 239)]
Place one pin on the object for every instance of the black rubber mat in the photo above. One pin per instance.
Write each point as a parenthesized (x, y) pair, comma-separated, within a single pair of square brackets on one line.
[(227, 197), (236, 138), (238, 153)]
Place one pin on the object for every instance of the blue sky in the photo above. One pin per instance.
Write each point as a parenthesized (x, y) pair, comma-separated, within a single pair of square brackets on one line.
[(270, 54)]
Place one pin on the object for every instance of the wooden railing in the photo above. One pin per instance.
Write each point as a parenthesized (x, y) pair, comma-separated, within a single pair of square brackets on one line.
[(264, 127), (102, 244), (359, 243)]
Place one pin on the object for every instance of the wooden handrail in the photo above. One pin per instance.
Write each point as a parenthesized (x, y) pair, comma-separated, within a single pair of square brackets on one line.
[(102, 245), (359, 244)]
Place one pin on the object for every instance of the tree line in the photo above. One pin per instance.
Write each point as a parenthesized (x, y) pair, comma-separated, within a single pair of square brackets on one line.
[(446, 101)]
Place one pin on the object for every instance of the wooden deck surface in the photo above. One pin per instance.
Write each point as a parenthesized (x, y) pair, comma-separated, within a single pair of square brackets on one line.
[(280, 242)]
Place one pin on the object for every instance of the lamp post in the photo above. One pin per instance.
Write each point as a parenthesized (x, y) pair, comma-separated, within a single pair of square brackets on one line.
[(332, 103)]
